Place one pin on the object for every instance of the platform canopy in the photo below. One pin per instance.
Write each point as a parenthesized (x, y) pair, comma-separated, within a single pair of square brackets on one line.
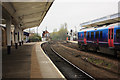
[(26, 14), (114, 18)]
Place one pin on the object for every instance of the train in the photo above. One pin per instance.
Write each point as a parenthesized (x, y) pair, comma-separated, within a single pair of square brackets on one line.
[(105, 39)]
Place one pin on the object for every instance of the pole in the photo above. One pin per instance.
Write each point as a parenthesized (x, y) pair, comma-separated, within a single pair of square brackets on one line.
[(37, 31)]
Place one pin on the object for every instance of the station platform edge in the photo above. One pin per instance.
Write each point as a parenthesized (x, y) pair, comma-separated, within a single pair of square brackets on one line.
[(47, 67)]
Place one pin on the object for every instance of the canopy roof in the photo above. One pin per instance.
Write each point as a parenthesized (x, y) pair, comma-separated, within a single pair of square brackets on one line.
[(26, 14), (114, 18)]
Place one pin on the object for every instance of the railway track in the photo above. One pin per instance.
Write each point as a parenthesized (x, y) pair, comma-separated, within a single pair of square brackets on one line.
[(97, 66), (92, 52), (69, 70)]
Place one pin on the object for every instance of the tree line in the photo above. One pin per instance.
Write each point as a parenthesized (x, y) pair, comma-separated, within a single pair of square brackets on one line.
[(61, 34)]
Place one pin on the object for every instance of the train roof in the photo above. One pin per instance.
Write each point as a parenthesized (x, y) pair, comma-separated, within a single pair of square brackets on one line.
[(110, 19), (98, 28)]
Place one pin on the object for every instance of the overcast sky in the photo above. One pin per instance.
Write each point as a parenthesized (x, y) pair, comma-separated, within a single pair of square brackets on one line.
[(74, 12)]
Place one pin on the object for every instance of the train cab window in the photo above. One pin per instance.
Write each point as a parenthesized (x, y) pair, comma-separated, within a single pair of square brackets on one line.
[(88, 35), (118, 33), (97, 34), (101, 34), (92, 35)]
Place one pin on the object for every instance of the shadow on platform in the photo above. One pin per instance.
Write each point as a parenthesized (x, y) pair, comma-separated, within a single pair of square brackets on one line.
[(18, 63)]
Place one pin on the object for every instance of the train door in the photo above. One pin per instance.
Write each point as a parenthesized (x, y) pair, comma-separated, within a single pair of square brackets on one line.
[(111, 37), (118, 35), (97, 37), (85, 40)]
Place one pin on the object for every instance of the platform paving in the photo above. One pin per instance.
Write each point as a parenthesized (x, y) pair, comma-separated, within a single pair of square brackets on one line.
[(18, 63), (28, 61), (35, 70), (73, 41), (47, 67)]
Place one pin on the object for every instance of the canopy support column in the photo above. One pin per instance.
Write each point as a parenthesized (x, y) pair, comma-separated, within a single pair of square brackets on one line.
[(22, 37), (16, 37), (20, 41), (8, 27)]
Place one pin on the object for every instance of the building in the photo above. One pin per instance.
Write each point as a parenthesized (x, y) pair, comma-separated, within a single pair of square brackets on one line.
[(45, 36), (26, 37), (3, 36)]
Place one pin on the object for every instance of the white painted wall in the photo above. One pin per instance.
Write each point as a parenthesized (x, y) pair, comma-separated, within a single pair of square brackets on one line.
[(71, 37), (27, 38), (43, 39)]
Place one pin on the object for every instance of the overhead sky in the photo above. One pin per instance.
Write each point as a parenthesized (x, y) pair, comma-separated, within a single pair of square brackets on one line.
[(74, 12)]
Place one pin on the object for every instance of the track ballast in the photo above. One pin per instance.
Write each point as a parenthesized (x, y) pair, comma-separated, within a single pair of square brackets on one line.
[(69, 70)]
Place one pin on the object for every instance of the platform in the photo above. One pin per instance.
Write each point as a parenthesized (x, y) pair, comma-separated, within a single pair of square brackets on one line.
[(28, 61), (47, 68), (73, 41)]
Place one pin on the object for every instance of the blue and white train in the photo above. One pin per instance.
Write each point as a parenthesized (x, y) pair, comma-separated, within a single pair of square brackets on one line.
[(105, 39)]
